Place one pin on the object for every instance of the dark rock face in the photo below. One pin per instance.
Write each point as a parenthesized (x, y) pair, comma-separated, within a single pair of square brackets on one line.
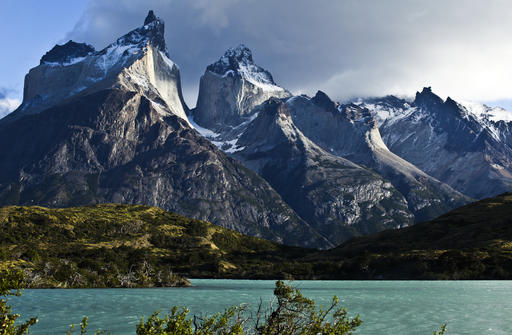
[(443, 138), (427, 99), (62, 54), (114, 146), (337, 197), (323, 101)]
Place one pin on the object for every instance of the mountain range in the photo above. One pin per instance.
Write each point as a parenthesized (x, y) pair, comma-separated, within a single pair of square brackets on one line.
[(112, 126)]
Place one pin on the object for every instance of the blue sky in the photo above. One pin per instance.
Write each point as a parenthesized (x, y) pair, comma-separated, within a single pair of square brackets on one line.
[(29, 28), (346, 48)]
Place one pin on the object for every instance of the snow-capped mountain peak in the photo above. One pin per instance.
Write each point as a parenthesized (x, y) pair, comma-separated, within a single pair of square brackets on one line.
[(239, 61), (138, 61), (232, 59), (484, 112), (466, 145), (230, 89), (151, 32)]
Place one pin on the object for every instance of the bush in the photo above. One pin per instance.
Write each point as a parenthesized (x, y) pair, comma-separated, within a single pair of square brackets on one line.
[(10, 285), (293, 314)]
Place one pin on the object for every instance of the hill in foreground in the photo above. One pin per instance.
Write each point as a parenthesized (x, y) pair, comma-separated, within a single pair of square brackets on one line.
[(140, 246), (130, 246), (471, 242)]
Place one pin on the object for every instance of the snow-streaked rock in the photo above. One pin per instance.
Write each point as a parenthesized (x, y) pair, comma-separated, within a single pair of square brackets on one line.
[(138, 61), (230, 89), (336, 196), (351, 132), (466, 145)]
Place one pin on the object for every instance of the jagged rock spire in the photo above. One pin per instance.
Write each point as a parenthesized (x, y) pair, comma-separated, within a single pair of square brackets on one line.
[(150, 18), (322, 100), (154, 29), (427, 98)]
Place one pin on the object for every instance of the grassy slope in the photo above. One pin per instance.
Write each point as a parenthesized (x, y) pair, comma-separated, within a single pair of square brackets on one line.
[(471, 242), (126, 245)]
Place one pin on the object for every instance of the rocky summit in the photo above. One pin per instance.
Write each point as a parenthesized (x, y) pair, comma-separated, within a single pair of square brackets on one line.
[(112, 126), (230, 89), (351, 132)]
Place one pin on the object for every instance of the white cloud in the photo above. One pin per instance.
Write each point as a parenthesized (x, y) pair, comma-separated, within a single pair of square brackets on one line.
[(7, 104), (214, 16), (346, 48)]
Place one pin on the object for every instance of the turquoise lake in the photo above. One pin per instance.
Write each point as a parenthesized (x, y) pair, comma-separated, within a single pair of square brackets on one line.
[(386, 307)]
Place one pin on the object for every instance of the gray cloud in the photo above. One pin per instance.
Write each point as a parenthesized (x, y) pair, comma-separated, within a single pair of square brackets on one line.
[(346, 48)]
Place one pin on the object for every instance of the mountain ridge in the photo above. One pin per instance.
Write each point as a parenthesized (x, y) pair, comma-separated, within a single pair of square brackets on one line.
[(445, 138)]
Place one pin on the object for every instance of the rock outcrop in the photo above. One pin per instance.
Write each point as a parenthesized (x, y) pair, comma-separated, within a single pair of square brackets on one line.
[(138, 61)]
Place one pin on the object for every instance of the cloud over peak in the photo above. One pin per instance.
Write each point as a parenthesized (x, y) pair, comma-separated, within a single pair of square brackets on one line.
[(346, 48)]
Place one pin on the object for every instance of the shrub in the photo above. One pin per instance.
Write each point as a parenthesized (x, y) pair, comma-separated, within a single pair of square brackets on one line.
[(292, 314), (10, 285)]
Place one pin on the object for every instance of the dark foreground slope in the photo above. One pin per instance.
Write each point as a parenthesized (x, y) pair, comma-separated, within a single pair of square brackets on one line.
[(131, 246), (471, 242)]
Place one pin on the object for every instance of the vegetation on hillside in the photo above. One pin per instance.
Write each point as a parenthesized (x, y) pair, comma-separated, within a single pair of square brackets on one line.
[(131, 246), (471, 242), (140, 246)]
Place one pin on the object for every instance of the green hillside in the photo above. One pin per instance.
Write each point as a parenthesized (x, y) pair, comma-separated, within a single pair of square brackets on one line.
[(140, 246), (471, 242), (129, 246)]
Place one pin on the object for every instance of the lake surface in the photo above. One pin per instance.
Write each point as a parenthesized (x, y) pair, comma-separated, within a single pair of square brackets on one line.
[(386, 307)]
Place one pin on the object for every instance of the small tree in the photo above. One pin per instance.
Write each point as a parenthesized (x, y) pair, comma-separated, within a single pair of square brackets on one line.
[(296, 314), (442, 331), (10, 285)]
